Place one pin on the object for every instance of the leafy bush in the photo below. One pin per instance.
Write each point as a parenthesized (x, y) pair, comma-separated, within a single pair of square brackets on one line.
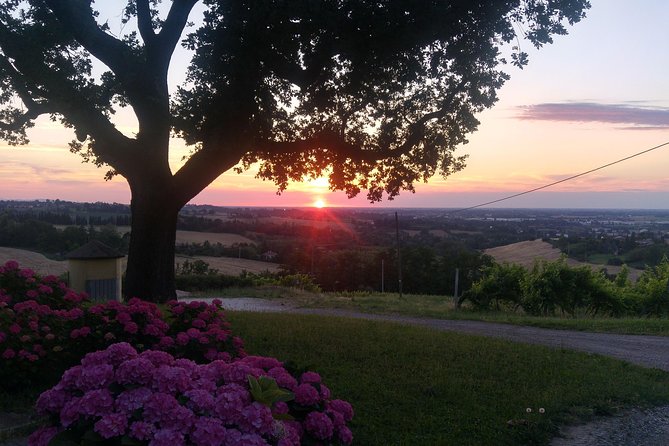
[(500, 284), (207, 282), (118, 396), (550, 287), (553, 286), (652, 290), (197, 267)]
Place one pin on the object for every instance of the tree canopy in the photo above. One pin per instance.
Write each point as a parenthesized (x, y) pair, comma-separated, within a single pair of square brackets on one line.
[(375, 94)]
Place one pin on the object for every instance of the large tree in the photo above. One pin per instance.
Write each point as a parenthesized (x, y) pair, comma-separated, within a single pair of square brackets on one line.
[(376, 94)]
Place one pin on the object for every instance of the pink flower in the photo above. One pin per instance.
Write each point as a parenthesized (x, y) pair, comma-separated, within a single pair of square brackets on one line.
[(343, 407), (32, 294), (141, 430), (26, 273), (15, 329), (170, 379), (199, 323), (345, 435), (11, 265), (193, 333), (135, 371), (123, 318), (167, 437), (131, 327), (182, 338), (98, 402), (95, 376), (319, 425), (8, 354), (257, 418), (208, 432), (70, 412), (306, 395), (130, 400), (45, 289), (310, 377), (42, 436), (111, 425), (200, 401), (51, 401)]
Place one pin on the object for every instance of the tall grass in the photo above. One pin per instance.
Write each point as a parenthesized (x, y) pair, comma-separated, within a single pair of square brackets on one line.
[(415, 386)]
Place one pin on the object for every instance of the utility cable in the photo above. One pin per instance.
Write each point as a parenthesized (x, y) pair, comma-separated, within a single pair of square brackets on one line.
[(562, 180)]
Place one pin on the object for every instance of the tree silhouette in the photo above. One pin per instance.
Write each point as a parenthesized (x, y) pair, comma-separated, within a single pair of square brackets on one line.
[(374, 94)]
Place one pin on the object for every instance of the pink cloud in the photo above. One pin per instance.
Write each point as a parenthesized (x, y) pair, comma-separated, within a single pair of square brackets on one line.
[(637, 118)]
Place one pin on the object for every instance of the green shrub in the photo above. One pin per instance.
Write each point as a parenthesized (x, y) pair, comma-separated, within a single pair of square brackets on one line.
[(501, 285), (555, 286), (652, 290)]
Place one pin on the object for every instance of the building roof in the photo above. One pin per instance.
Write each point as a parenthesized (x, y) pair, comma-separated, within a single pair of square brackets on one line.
[(94, 250)]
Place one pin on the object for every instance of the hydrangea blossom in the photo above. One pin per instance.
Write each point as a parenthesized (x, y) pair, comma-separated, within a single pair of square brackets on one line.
[(158, 400)]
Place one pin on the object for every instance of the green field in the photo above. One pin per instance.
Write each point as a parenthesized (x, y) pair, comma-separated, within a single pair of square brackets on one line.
[(413, 386)]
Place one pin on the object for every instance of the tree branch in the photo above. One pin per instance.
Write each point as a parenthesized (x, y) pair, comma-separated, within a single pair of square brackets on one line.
[(144, 23), (171, 31), (203, 167), (77, 15)]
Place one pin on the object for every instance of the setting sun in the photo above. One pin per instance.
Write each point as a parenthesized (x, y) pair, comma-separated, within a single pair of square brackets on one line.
[(319, 203)]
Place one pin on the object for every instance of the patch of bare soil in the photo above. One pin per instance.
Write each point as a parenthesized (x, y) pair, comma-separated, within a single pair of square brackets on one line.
[(528, 252)]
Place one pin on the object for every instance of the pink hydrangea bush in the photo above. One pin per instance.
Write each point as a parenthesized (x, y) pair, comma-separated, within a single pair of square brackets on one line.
[(45, 327), (122, 396)]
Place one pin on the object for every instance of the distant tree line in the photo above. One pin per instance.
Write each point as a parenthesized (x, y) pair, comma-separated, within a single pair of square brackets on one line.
[(425, 269), (55, 243), (632, 250)]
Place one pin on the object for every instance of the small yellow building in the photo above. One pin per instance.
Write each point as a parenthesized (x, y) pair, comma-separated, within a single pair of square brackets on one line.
[(96, 269)]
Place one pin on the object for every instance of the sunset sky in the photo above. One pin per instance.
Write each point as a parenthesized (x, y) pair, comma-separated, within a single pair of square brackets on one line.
[(599, 94)]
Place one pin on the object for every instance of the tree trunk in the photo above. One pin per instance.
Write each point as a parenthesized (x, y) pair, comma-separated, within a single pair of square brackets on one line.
[(150, 270)]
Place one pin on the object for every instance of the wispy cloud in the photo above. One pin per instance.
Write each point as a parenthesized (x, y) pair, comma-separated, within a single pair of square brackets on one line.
[(633, 116)]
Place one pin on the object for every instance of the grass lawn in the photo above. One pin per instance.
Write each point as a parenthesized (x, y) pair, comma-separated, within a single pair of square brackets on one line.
[(441, 307), (415, 386)]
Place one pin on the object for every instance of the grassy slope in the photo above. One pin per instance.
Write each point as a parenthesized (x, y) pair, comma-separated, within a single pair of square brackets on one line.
[(413, 385)]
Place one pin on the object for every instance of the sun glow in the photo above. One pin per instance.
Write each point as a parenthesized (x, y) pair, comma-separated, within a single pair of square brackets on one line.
[(319, 203)]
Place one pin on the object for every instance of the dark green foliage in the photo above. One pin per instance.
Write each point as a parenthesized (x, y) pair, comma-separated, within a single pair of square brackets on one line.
[(555, 287), (653, 290), (209, 281), (501, 285), (19, 232)]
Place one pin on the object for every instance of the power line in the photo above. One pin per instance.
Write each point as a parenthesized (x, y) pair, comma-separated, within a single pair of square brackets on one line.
[(562, 180)]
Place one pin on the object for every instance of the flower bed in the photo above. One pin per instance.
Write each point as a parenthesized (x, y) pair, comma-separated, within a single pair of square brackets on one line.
[(150, 375), (45, 327), (127, 397)]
